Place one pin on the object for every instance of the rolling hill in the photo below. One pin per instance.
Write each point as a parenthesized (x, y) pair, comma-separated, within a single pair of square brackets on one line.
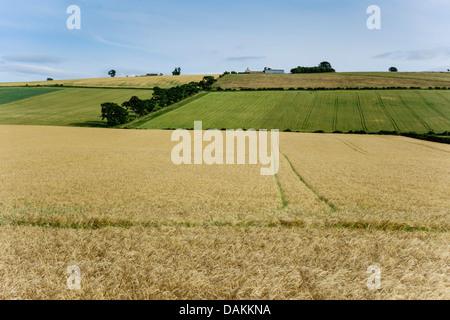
[(412, 110), (336, 80), (60, 107)]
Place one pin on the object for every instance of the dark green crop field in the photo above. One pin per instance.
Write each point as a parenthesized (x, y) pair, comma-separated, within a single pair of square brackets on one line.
[(8, 95)]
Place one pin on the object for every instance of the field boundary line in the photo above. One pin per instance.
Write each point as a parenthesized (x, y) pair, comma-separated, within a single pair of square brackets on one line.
[(413, 113), (431, 106), (320, 197), (310, 110), (97, 224), (394, 124), (361, 114)]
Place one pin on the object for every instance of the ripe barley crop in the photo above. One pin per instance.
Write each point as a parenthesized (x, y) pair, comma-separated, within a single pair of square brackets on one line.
[(140, 227)]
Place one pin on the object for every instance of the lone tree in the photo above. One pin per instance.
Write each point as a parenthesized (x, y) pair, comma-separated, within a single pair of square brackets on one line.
[(112, 73), (177, 71), (393, 69)]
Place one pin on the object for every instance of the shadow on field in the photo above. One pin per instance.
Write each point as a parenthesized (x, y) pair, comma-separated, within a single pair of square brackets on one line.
[(89, 124)]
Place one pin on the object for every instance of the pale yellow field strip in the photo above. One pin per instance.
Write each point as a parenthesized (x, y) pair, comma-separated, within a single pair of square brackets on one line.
[(119, 82), (222, 263)]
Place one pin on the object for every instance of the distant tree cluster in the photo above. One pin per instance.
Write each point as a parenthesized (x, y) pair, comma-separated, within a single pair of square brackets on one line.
[(176, 72), (207, 83), (140, 107), (323, 67), (112, 73), (226, 73), (116, 115), (393, 69), (166, 97)]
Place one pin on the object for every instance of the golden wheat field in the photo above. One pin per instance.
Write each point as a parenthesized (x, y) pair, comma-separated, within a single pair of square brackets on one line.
[(140, 227), (117, 82)]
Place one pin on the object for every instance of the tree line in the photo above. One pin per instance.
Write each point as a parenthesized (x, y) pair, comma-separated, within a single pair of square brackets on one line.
[(120, 114), (323, 67)]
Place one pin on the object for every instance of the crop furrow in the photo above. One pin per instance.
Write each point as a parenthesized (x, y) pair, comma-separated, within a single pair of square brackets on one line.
[(413, 113), (431, 106), (308, 115), (394, 124), (361, 114), (320, 197)]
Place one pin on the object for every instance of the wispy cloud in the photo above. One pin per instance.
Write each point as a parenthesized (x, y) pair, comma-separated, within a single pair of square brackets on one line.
[(245, 58), (114, 43), (103, 40), (32, 58), (424, 54), (31, 69)]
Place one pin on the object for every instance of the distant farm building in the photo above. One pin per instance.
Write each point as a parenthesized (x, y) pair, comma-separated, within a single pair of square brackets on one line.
[(248, 71), (266, 70), (270, 70)]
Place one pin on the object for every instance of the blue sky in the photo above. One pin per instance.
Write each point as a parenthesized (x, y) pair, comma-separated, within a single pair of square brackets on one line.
[(137, 37)]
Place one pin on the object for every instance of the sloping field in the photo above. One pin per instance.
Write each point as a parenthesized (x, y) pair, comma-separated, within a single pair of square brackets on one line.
[(368, 110), (118, 82), (336, 80), (63, 107), (113, 203), (8, 95)]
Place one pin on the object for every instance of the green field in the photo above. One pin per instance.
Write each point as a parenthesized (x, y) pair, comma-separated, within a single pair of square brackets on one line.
[(60, 107), (309, 111), (8, 95)]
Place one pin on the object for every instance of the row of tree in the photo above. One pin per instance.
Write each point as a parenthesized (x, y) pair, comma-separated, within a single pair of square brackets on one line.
[(324, 66), (116, 115)]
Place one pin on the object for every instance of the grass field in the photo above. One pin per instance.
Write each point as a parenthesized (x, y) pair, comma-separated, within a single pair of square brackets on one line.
[(8, 95), (61, 107), (336, 80), (118, 82), (112, 202), (368, 110)]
